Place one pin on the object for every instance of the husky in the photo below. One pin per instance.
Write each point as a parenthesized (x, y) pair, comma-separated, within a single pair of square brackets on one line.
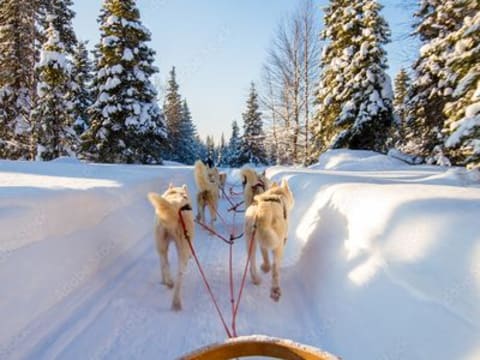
[(207, 181), (253, 184), (267, 219), (168, 227), (222, 179)]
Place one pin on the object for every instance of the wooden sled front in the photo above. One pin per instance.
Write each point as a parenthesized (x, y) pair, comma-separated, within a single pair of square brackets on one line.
[(258, 346)]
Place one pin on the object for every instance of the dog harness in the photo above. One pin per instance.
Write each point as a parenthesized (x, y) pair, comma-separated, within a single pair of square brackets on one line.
[(277, 200)]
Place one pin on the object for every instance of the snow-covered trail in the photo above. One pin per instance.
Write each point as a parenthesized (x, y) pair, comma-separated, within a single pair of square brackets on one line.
[(126, 314), (382, 262)]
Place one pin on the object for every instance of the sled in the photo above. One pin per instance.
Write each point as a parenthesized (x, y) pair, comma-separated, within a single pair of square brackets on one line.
[(244, 346)]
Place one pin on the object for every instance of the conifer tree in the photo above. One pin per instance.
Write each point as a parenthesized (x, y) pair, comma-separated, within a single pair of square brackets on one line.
[(173, 117), (354, 94), (186, 147), (60, 14), (234, 148), (463, 112), (253, 148), (432, 85), (126, 122), (53, 124), (221, 151), (81, 95), (17, 79), (402, 85)]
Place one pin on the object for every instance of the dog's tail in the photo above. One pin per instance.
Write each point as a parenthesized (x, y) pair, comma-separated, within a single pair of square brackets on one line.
[(249, 177), (165, 211), (201, 176)]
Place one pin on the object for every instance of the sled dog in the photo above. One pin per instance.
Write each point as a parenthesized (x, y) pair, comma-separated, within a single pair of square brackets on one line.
[(253, 184), (267, 216), (207, 181), (168, 227)]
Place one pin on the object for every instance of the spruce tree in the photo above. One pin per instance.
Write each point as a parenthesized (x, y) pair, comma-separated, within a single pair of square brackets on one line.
[(432, 85), (253, 148), (126, 122), (173, 116), (81, 95), (60, 14), (354, 94), (221, 151), (402, 86), (187, 147), (17, 80), (53, 124), (463, 112), (234, 148)]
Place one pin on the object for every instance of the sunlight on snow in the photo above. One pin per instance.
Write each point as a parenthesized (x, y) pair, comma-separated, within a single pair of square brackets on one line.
[(10, 180)]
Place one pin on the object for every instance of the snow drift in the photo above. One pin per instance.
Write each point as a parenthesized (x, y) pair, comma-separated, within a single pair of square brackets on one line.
[(382, 262)]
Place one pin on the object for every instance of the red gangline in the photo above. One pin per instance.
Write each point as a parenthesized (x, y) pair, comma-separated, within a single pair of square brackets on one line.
[(242, 285), (203, 275)]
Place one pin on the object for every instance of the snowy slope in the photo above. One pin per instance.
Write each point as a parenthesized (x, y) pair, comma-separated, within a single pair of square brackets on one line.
[(382, 262)]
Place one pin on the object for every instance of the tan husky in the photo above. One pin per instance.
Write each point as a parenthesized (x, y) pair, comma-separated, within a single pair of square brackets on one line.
[(253, 184), (268, 214), (168, 227), (207, 181)]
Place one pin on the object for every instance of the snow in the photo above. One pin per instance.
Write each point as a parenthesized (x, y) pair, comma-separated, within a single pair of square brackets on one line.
[(382, 262)]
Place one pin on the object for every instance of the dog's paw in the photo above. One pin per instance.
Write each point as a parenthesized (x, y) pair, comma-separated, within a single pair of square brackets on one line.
[(265, 268), (275, 293), (168, 283), (176, 305)]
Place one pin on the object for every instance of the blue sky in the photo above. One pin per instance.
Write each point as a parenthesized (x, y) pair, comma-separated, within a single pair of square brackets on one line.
[(218, 47)]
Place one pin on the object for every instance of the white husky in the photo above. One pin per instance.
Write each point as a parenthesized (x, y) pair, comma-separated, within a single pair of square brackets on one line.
[(267, 219), (168, 227)]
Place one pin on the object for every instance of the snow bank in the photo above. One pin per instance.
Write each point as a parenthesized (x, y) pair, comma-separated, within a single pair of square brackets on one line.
[(391, 264), (62, 224)]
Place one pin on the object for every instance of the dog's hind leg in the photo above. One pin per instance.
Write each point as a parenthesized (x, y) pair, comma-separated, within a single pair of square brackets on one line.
[(212, 207), (253, 258), (200, 207), (275, 291), (266, 260), (183, 256), (162, 242)]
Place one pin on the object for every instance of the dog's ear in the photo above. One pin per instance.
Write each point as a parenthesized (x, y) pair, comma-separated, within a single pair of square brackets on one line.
[(170, 186), (284, 183), (184, 187)]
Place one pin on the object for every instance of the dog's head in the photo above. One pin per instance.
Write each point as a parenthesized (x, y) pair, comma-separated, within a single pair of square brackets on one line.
[(213, 175), (288, 195), (177, 195)]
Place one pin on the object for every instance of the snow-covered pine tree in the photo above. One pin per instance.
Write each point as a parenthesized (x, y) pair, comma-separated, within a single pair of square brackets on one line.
[(221, 151), (354, 95), (53, 125), (431, 87), (463, 112), (126, 123), (402, 86), (211, 151), (17, 76), (187, 147), (234, 148), (81, 95), (60, 13), (253, 148), (173, 116)]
